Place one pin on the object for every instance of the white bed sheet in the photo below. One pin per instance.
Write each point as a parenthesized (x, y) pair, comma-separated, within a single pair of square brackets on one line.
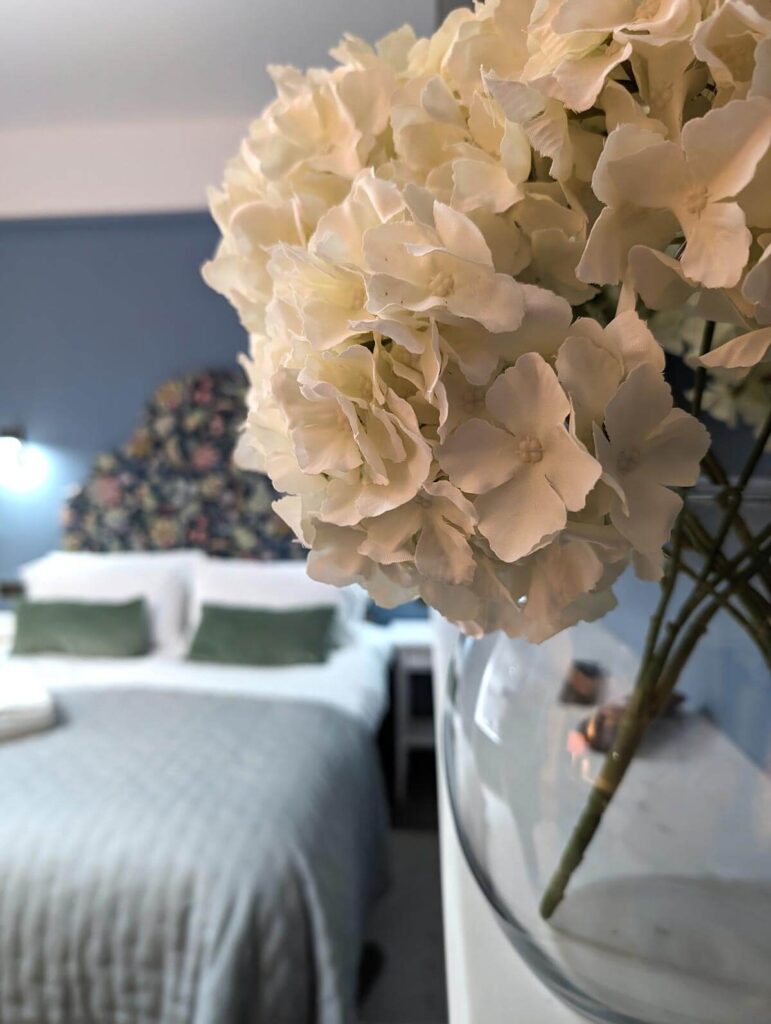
[(354, 679)]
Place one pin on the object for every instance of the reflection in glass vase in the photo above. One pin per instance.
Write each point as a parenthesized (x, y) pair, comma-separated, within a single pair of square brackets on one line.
[(668, 918)]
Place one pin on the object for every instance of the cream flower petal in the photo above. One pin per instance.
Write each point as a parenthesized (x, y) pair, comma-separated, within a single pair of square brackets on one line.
[(757, 287), (464, 401), (563, 573), (638, 407), (493, 300), (614, 233), (658, 278), (339, 235), (335, 557), (649, 565), (717, 245), (655, 177), (569, 468), (544, 325), (555, 256), (478, 185), (349, 500), (661, 284), (674, 453), (443, 552), (583, 15), (455, 508), (652, 513), (318, 428), (725, 42), (474, 349), (387, 536), (289, 508), (527, 398), (478, 456), (590, 374), (626, 141), (579, 82), (724, 147), (521, 515), (742, 353), (460, 235), (667, 18), (662, 69), (761, 77), (383, 246), (622, 108), (515, 152), (439, 103), (421, 275), (403, 334), (633, 340), (325, 325), (754, 198), (458, 604), (544, 120)]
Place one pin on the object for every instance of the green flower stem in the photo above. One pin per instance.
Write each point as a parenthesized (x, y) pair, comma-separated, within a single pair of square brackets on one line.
[(718, 475), (757, 630), (734, 495), (655, 683), (670, 577), (756, 604), (630, 733), (651, 695), (703, 584), (698, 626), (700, 376), (658, 675)]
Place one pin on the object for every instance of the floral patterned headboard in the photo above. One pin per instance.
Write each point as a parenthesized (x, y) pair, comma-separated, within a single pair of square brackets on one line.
[(174, 484)]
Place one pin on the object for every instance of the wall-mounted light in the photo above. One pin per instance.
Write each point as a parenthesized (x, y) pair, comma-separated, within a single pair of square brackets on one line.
[(11, 448), (22, 466)]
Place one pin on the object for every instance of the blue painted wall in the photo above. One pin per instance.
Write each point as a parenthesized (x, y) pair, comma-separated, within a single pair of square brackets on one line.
[(94, 313)]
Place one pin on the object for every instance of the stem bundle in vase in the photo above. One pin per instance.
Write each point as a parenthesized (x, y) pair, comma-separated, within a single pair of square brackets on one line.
[(459, 261), (666, 653)]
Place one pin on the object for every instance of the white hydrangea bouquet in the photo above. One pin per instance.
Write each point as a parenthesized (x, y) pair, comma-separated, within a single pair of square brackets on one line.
[(441, 250)]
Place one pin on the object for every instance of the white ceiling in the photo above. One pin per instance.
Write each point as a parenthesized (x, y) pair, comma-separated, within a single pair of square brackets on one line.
[(76, 61), (132, 106)]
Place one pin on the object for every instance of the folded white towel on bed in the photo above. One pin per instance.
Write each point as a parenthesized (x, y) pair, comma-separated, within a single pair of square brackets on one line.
[(25, 707)]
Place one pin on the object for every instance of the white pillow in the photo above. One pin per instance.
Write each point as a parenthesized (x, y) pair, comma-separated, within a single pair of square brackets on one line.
[(163, 579), (277, 584)]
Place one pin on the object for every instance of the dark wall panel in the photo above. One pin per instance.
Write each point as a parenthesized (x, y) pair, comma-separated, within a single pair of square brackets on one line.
[(94, 313)]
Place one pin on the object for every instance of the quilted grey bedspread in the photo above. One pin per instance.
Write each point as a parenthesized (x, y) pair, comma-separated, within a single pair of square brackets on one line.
[(186, 859)]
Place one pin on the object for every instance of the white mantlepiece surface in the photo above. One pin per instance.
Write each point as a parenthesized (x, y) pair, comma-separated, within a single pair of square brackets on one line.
[(487, 981)]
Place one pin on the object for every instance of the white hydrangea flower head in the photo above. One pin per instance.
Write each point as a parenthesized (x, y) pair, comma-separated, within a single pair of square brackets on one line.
[(420, 242)]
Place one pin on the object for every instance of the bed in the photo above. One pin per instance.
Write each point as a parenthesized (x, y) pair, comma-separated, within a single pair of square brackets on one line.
[(191, 842)]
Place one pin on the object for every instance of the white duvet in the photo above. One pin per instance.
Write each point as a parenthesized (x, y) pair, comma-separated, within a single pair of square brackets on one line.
[(354, 679)]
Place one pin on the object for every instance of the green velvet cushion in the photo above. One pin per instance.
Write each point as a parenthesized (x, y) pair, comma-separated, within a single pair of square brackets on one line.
[(83, 630), (258, 636)]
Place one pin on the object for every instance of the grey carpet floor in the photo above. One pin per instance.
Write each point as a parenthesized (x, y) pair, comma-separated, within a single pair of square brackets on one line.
[(406, 925)]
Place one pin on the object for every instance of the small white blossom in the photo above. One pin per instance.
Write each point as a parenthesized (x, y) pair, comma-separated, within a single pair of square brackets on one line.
[(647, 447), (527, 472), (696, 181)]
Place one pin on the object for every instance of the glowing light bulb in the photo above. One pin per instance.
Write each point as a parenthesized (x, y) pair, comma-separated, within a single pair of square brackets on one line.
[(23, 467), (10, 455)]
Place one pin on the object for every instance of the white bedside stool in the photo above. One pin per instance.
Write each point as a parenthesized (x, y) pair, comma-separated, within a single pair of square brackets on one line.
[(412, 641)]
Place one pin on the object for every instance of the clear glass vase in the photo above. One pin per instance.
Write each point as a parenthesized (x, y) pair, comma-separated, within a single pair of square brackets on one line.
[(668, 918)]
